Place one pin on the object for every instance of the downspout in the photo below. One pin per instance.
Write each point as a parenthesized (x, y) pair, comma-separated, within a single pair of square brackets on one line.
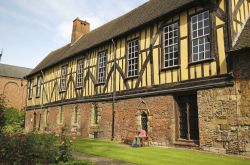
[(26, 101), (114, 93), (42, 92)]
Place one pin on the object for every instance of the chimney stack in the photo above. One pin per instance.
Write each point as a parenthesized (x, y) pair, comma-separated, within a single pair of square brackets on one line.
[(79, 28)]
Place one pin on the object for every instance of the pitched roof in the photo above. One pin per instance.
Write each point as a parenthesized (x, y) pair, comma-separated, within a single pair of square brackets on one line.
[(243, 40), (145, 13), (13, 71)]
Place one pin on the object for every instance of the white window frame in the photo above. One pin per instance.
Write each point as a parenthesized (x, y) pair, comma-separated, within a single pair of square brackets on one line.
[(133, 58), (63, 83), (102, 62), (200, 36), (38, 86), (171, 45), (79, 73)]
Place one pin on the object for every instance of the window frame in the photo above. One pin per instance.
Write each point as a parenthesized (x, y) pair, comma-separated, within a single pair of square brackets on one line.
[(191, 113), (102, 68), (163, 67), (30, 88), (210, 37), (79, 75), (38, 86), (144, 118), (63, 78), (127, 58)]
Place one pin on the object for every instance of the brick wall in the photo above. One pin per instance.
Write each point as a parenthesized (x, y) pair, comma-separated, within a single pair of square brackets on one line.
[(242, 76), (14, 90), (217, 124), (161, 127)]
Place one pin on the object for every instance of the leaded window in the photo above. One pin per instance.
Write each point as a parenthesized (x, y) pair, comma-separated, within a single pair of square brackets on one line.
[(144, 121), (63, 77), (133, 52), (200, 29), (102, 60), (38, 86), (79, 73), (30, 89), (171, 45)]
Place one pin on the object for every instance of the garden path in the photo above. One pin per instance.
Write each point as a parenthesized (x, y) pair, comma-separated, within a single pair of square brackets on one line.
[(99, 160)]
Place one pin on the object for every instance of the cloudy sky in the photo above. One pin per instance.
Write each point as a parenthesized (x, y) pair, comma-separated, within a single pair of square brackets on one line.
[(30, 29)]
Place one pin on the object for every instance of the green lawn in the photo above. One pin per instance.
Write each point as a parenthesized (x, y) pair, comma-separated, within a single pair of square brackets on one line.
[(153, 155)]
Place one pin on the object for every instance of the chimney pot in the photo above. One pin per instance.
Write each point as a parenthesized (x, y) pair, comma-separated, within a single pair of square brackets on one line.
[(79, 28)]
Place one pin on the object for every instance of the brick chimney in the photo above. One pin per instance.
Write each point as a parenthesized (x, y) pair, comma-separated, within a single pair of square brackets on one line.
[(79, 28)]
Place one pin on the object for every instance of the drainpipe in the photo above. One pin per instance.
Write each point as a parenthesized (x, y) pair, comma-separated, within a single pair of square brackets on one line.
[(42, 92), (114, 93)]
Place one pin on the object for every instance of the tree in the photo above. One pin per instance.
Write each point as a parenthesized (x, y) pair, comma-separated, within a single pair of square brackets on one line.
[(2, 108)]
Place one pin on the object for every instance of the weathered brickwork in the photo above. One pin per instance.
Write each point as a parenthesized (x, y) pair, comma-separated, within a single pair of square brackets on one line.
[(217, 119), (242, 76), (14, 91), (160, 111), (224, 113)]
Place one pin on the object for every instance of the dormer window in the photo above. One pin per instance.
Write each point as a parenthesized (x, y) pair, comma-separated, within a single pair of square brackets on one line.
[(200, 37), (64, 73)]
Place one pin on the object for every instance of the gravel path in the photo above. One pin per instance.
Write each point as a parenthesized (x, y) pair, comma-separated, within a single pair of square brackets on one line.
[(99, 160)]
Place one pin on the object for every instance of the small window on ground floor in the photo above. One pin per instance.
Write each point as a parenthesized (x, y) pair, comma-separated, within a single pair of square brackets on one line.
[(144, 121)]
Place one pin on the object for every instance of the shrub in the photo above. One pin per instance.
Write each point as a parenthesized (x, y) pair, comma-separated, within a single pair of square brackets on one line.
[(31, 148), (14, 121), (2, 107), (65, 149)]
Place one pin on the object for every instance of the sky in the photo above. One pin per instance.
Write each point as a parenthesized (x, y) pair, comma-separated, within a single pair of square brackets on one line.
[(30, 29)]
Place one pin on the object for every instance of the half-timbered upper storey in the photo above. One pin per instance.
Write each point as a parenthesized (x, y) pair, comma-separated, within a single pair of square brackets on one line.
[(163, 45)]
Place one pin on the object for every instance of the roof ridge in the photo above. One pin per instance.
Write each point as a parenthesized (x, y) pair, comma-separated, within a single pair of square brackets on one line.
[(15, 66)]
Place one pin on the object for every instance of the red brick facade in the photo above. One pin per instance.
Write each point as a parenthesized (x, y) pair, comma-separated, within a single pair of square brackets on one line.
[(161, 127), (14, 91)]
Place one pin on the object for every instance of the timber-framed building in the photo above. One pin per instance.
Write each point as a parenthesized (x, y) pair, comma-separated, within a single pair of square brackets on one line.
[(178, 69)]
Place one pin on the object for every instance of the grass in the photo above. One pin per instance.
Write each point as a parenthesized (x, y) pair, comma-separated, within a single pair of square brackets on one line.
[(153, 155)]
